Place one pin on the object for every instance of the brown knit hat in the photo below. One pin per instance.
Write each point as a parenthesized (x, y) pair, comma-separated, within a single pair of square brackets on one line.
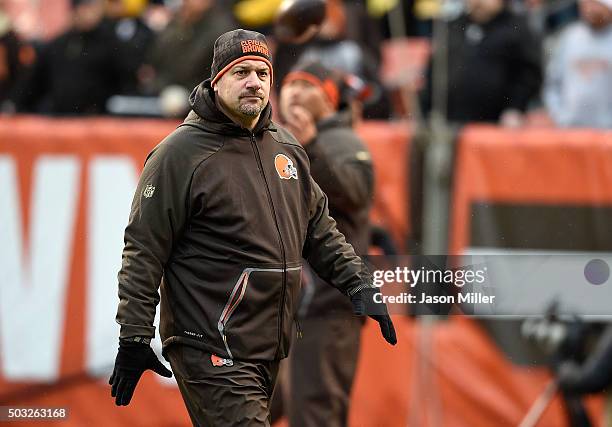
[(236, 46), (317, 74)]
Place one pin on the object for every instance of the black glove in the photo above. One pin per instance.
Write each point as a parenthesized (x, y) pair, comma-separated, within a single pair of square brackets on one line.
[(132, 360), (568, 374), (363, 303)]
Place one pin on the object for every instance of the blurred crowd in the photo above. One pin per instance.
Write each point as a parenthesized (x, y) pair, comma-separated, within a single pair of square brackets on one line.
[(511, 62)]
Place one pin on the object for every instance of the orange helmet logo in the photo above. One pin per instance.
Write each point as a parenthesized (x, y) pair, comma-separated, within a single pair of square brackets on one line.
[(220, 361), (284, 167)]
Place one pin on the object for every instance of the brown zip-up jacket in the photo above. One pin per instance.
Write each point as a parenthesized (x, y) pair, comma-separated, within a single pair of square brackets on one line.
[(222, 217)]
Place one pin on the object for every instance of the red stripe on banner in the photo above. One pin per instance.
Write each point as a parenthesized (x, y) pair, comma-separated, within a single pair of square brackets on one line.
[(72, 359)]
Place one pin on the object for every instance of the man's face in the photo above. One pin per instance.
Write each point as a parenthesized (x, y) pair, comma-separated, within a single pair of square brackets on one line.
[(483, 11), (245, 88), (86, 16), (306, 95), (595, 13), (193, 10), (115, 8)]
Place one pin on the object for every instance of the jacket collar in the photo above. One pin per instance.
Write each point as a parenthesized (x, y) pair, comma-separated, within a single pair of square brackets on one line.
[(342, 118), (205, 114)]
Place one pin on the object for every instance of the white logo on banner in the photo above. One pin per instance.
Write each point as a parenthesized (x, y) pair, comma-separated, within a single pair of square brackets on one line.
[(35, 271)]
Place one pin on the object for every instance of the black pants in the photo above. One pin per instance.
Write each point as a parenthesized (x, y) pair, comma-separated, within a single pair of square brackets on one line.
[(317, 377), (237, 395)]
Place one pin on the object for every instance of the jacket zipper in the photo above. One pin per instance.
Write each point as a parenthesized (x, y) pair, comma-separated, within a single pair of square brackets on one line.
[(238, 292), (298, 330), (280, 241), (235, 298)]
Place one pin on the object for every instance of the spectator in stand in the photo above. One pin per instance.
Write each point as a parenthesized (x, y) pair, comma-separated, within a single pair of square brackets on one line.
[(579, 75), (133, 38), (76, 72), (338, 45), (15, 56), (494, 66), (256, 14), (183, 52)]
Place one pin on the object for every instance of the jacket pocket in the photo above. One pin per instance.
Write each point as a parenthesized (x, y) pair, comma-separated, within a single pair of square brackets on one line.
[(249, 323)]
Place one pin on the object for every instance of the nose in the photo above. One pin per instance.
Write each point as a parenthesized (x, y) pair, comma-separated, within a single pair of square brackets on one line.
[(253, 82)]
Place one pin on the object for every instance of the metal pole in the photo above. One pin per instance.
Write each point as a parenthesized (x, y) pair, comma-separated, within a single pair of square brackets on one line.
[(397, 23), (438, 150), (536, 410)]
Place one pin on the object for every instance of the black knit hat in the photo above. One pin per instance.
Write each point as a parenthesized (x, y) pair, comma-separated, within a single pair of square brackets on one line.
[(236, 46)]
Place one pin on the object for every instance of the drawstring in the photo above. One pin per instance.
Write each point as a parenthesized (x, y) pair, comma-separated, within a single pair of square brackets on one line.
[(298, 332)]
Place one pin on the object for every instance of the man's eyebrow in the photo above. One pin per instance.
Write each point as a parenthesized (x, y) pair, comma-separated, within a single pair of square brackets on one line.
[(251, 67)]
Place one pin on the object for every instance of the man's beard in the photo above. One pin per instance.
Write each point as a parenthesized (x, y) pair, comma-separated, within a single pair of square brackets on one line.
[(251, 110)]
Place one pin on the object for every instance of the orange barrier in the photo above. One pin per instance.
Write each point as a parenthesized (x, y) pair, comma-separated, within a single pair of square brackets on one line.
[(447, 374), (541, 166), (26, 143), (390, 145)]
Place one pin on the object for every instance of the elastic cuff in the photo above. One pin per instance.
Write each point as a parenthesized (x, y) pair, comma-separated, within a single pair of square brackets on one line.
[(136, 340), (129, 330)]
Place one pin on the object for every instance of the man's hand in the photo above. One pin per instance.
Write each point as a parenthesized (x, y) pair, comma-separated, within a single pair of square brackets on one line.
[(363, 303), (301, 124), (132, 360), (512, 119)]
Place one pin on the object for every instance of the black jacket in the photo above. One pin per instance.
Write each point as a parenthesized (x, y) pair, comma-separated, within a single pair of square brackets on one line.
[(75, 73), (226, 215), (491, 67), (341, 164), (194, 42)]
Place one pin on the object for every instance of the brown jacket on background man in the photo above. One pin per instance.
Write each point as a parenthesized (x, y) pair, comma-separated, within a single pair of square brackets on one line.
[(340, 163), (317, 378)]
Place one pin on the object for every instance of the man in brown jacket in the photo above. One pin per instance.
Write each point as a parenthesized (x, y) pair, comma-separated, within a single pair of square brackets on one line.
[(317, 380), (224, 211)]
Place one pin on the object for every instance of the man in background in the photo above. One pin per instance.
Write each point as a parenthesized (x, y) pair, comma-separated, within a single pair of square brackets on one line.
[(579, 74), (15, 57), (183, 51), (493, 66), (133, 39), (315, 108), (76, 72)]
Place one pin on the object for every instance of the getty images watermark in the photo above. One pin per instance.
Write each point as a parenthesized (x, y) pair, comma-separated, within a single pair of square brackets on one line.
[(516, 284), (410, 277)]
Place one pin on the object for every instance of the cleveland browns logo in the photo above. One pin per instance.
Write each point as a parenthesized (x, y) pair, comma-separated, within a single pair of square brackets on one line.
[(284, 167)]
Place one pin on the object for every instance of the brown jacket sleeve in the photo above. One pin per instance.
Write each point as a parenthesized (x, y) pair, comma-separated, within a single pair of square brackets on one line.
[(158, 215), (341, 165), (327, 251)]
